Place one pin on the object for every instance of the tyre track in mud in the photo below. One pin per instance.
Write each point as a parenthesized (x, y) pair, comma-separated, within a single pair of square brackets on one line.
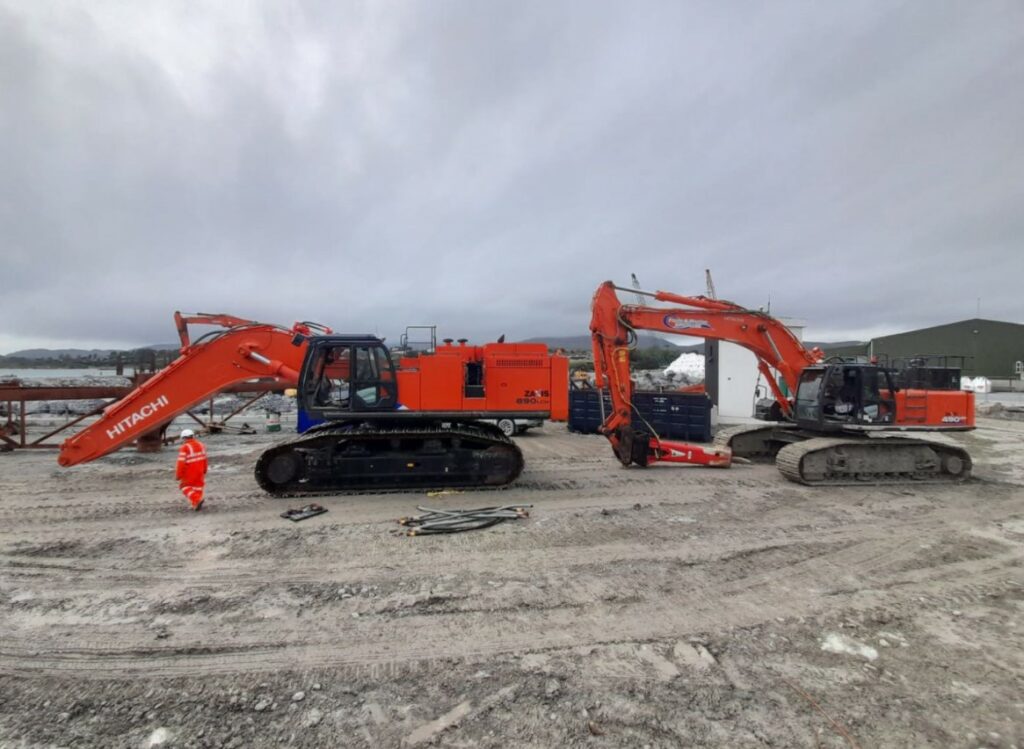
[(707, 550), (438, 637), (801, 586), (549, 548)]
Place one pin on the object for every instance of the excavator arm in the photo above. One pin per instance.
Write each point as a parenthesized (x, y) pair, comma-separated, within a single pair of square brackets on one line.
[(242, 350), (613, 325)]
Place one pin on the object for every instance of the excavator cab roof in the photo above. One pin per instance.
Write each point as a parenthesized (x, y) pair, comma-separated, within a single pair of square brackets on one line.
[(348, 338)]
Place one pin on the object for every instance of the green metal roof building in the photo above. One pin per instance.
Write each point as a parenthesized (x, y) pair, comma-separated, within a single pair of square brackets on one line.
[(990, 347)]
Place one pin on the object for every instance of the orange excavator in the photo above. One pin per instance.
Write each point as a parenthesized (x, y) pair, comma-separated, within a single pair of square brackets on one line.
[(838, 429), (420, 424)]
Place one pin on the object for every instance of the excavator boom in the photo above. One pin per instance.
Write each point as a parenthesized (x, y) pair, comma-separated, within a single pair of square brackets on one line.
[(612, 324), (242, 350)]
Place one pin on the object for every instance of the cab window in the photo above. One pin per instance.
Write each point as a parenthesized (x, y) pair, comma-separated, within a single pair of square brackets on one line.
[(807, 395), (329, 384), (374, 381)]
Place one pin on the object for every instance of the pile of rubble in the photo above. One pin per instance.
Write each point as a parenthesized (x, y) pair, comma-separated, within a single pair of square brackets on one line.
[(1000, 411), (228, 402), (658, 379), (687, 369)]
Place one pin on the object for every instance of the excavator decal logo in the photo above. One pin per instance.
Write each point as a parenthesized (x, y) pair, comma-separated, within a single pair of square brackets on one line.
[(681, 323), (534, 396), (141, 415)]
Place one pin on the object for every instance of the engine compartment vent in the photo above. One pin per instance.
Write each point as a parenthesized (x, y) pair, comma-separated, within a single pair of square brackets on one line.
[(519, 363)]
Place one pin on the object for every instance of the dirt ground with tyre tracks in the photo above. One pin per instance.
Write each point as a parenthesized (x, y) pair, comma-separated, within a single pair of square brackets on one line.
[(661, 607)]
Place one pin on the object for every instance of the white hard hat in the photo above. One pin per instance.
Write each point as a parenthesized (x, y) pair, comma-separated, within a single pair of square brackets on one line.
[(186, 433)]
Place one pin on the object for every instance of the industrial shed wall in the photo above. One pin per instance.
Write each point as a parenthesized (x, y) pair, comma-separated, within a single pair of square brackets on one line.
[(991, 347), (846, 351)]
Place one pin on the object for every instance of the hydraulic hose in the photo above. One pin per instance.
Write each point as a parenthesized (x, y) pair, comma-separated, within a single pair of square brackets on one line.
[(456, 521)]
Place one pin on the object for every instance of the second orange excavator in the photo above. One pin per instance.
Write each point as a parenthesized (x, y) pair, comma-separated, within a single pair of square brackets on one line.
[(415, 425), (838, 429)]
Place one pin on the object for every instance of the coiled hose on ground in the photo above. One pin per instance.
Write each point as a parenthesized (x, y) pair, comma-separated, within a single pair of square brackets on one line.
[(456, 521)]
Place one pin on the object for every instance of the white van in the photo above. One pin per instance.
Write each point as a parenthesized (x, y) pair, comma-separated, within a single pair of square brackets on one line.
[(510, 427)]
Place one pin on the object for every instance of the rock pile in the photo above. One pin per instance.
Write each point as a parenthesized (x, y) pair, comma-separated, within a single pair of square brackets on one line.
[(687, 369)]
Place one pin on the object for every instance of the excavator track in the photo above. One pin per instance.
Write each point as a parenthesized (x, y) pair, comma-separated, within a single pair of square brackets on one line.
[(759, 442), (832, 461), (301, 493), (376, 455)]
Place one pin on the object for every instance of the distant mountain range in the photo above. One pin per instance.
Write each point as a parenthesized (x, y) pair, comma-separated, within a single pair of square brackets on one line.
[(81, 353), (58, 353)]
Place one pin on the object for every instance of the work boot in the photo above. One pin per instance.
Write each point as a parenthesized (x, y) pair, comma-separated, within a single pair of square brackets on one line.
[(199, 506)]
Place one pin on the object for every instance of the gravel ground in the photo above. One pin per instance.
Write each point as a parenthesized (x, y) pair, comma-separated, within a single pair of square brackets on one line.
[(662, 607)]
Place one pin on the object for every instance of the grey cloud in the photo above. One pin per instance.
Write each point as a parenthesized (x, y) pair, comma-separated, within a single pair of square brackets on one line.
[(484, 166)]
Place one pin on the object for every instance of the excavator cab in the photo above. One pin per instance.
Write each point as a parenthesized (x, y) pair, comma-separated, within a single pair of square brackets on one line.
[(840, 396), (347, 374)]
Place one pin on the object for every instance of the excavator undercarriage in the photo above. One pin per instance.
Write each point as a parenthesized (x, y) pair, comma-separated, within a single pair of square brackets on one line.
[(808, 458), (378, 454)]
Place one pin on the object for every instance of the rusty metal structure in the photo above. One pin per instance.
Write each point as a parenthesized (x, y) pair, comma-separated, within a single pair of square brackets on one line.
[(15, 395)]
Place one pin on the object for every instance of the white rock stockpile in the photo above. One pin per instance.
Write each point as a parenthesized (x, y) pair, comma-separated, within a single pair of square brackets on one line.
[(687, 369), (689, 366)]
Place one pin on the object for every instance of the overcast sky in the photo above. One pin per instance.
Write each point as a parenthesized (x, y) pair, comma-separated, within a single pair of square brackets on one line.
[(484, 165)]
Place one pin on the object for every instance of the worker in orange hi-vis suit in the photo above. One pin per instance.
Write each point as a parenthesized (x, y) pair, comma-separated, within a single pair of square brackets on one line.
[(191, 469)]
